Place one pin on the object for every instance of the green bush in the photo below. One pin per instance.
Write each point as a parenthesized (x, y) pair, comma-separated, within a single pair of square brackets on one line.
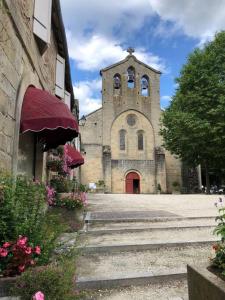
[(61, 184), (219, 260), (70, 201), (23, 210), (54, 280), (23, 203)]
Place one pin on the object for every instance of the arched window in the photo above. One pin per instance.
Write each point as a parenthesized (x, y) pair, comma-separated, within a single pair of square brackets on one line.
[(122, 134), (145, 86), (131, 77), (140, 137), (116, 81)]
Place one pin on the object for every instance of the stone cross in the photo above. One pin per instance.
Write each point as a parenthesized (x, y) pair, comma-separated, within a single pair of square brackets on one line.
[(130, 50)]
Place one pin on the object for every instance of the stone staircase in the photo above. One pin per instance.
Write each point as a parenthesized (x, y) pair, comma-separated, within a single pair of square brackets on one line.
[(141, 255)]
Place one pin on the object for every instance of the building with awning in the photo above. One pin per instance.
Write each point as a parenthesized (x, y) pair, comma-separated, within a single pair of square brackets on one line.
[(38, 110), (76, 159), (48, 118)]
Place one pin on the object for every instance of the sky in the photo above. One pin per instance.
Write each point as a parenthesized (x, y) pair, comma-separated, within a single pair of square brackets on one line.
[(163, 33)]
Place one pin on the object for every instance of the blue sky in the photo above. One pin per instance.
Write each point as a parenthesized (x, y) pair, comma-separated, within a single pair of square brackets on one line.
[(163, 33)]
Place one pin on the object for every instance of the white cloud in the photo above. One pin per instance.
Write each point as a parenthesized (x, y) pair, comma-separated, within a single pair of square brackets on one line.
[(165, 101), (199, 19), (100, 52), (104, 17), (96, 31), (86, 92)]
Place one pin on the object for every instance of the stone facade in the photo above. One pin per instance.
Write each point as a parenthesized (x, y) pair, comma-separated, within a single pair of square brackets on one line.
[(130, 110), (23, 64)]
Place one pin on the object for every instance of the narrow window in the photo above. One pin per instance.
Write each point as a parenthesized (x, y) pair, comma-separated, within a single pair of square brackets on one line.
[(60, 76), (130, 77), (122, 139), (140, 140), (42, 22), (145, 86)]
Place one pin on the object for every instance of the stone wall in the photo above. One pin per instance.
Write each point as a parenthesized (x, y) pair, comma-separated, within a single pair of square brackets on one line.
[(21, 65), (91, 145)]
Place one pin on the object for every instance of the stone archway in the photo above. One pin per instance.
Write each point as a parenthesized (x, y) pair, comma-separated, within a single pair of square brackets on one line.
[(132, 183)]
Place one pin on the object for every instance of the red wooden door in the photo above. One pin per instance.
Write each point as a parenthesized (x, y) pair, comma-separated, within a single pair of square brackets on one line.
[(130, 188)]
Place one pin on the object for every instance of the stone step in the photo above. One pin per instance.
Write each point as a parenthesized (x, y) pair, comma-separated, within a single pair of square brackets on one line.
[(159, 236), (108, 270), (139, 229), (185, 222), (139, 247), (139, 216), (128, 280), (170, 290)]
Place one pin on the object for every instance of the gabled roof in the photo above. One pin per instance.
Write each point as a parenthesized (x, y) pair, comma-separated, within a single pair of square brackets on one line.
[(125, 60), (93, 112)]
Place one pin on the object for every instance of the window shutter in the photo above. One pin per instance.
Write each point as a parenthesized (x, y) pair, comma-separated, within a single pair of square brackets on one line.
[(60, 76), (67, 99), (42, 19)]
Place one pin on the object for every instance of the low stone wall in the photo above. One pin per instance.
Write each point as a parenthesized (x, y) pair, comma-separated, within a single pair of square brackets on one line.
[(204, 285), (5, 285)]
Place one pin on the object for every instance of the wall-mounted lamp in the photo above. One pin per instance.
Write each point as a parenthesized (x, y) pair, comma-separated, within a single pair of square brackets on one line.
[(82, 121)]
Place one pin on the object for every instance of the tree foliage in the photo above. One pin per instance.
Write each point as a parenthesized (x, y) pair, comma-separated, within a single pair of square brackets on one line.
[(193, 127)]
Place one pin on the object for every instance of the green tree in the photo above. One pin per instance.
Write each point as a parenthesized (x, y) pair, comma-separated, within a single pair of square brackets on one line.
[(193, 127)]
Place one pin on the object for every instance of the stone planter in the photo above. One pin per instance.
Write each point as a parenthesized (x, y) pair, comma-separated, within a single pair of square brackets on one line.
[(204, 285), (5, 285)]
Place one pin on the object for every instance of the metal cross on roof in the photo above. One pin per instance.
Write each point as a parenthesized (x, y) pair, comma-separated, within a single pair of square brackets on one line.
[(130, 50)]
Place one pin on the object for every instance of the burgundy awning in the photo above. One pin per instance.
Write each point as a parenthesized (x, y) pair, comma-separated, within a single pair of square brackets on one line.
[(75, 157), (47, 116)]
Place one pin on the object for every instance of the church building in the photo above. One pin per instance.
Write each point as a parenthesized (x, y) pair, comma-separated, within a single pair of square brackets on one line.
[(121, 140)]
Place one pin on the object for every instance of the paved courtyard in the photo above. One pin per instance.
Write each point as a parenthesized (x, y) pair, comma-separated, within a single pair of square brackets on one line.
[(183, 205), (138, 246)]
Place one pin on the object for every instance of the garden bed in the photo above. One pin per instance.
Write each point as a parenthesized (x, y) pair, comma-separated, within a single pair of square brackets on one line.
[(204, 285)]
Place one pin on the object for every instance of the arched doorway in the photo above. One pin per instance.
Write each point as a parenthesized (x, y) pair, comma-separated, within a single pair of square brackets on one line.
[(133, 183)]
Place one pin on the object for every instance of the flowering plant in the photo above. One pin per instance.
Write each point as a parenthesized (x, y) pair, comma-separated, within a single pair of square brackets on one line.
[(73, 200), (50, 195), (219, 248), (15, 257), (38, 296), (66, 161), (54, 164)]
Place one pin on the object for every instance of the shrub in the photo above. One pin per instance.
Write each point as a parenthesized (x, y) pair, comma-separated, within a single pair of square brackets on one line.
[(61, 184), (219, 260), (72, 201), (23, 211), (55, 281), (176, 185), (23, 203), (54, 165)]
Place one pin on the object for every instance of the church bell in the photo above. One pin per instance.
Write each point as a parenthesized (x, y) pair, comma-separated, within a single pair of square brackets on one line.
[(130, 75), (116, 83), (144, 85)]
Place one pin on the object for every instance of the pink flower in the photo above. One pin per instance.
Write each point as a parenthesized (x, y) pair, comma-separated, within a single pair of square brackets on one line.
[(22, 241), (3, 252), (37, 250), (21, 268), (28, 250), (6, 245), (38, 296), (32, 262)]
